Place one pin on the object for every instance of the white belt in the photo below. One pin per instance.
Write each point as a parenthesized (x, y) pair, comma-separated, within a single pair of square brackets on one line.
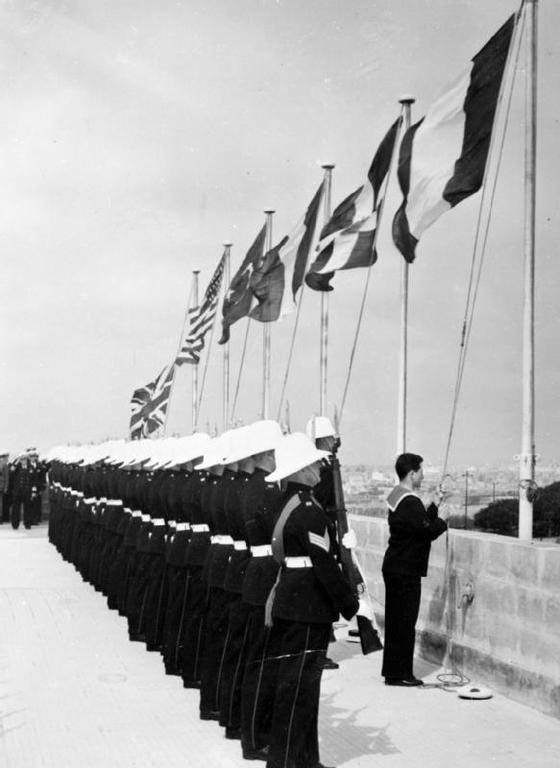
[(200, 528), (221, 539), (80, 494), (145, 518), (127, 510), (240, 544), (182, 526), (298, 562), (73, 492), (261, 550), (136, 513), (103, 499), (172, 523), (115, 503), (158, 521), (91, 500)]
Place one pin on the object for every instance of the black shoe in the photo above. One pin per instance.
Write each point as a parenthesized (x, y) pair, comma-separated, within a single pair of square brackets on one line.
[(353, 633), (407, 682), (212, 715), (233, 733), (330, 664), (27, 527), (191, 684), (256, 754)]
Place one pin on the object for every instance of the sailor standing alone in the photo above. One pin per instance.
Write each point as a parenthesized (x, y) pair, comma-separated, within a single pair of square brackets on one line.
[(412, 528), (310, 593)]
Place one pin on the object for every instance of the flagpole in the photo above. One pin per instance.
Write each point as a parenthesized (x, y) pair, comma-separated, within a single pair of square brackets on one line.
[(406, 102), (266, 329), (196, 273), (226, 278), (527, 457), (324, 325)]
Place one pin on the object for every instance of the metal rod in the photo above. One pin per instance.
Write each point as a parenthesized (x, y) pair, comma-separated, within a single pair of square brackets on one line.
[(266, 330), (196, 273), (406, 102), (225, 384), (527, 457), (324, 324)]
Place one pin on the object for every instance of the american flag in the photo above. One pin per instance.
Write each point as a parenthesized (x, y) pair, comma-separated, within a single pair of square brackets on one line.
[(149, 404), (200, 320)]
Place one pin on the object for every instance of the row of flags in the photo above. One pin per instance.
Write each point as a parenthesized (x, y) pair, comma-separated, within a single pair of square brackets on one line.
[(441, 161)]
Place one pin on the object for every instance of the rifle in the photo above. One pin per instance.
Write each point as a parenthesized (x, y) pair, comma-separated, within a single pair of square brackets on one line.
[(369, 636)]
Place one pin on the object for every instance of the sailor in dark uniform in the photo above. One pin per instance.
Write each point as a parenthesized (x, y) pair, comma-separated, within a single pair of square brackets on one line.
[(412, 528), (310, 594), (225, 492), (251, 442), (184, 509)]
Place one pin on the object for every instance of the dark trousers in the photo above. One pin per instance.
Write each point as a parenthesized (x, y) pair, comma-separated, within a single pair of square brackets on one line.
[(156, 603), (235, 653), (16, 512), (4, 508), (175, 618), (300, 650), (215, 634), (259, 683), (193, 634), (402, 603)]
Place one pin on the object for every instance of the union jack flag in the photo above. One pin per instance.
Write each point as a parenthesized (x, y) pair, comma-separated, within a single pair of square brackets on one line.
[(149, 404), (200, 320)]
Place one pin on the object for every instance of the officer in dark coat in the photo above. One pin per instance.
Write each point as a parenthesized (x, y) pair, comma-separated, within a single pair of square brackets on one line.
[(310, 594), (24, 492), (4, 482), (412, 528)]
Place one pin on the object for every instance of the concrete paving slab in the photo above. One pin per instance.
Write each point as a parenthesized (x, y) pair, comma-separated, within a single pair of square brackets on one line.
[(75, 693)]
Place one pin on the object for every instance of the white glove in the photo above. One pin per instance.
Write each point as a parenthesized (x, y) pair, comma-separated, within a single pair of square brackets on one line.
[(349, 539), (364, 609)]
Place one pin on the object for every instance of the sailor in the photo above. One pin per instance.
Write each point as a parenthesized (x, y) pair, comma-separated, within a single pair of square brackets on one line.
[(321, 431), (261, 507), (225, 484), (251, 442), (183, 508), (310, 594), (190, 650), (412, 528)]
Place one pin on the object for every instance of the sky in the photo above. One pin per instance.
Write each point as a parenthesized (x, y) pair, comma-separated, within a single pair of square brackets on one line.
[(137, 137)]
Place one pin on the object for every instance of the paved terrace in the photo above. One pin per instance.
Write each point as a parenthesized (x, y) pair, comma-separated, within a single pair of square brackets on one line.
[(75, 693)]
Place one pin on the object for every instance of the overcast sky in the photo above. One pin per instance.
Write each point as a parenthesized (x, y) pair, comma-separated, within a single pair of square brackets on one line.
[(138, 136)]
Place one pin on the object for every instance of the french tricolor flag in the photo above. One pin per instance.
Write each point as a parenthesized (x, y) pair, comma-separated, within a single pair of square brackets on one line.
[(442, 157)]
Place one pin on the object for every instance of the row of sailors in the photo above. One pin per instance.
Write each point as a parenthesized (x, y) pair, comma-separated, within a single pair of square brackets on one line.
[(179, 535)]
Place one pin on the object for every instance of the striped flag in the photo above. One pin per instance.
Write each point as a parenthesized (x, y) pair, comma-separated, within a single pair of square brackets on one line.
[(200, 319), (239, 299), (348, 237), (149, 404), (443, 156), (276, 281)]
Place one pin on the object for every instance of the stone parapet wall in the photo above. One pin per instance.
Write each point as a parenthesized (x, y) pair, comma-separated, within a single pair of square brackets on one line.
[(508, 637)]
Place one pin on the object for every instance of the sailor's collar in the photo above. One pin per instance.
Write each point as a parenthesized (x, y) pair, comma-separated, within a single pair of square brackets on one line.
[(399, 493)]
